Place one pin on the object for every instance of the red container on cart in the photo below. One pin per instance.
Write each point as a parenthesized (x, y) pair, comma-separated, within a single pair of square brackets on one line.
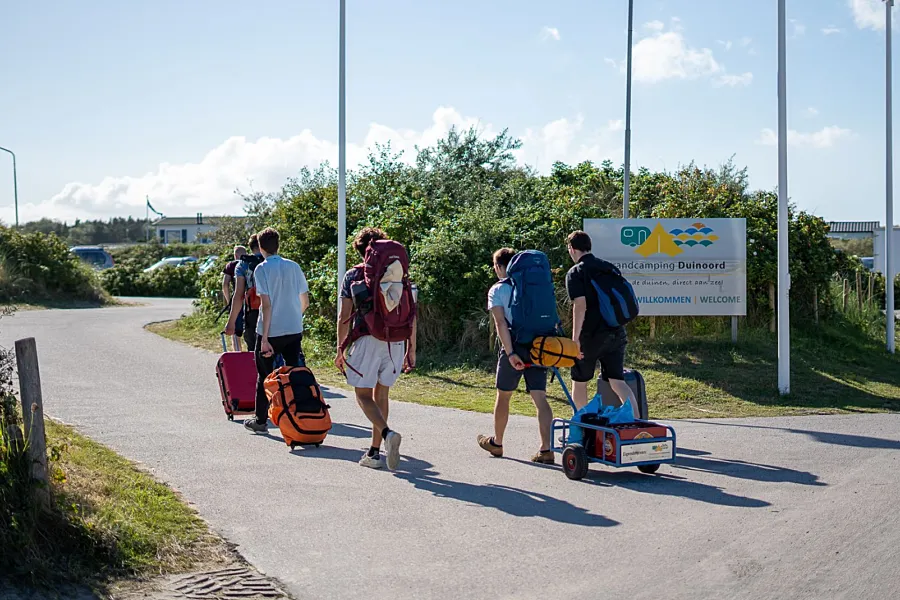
[(627, 432)]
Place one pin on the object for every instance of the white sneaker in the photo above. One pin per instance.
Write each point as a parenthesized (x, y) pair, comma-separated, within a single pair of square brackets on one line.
[(371, 461), (392, 449)]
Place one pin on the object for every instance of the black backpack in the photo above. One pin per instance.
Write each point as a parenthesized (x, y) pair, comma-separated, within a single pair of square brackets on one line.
[(615, 296)]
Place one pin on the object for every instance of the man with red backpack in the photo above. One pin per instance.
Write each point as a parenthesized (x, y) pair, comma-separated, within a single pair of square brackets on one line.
[(245, 296), (377, 335)]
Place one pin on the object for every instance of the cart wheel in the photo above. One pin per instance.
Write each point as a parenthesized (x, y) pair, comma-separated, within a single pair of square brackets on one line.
[(231, 417), (648, 469), (575, 461)]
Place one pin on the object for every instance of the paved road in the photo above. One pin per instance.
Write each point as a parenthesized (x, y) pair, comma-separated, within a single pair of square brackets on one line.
[(761, 508)]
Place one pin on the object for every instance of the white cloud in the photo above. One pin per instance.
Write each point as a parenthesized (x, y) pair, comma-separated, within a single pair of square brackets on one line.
[(616, 125), (666, 55), (831, 30), (746, 41), (799, 28), (812, 111), (208, 184), (655, 25), (868, 14), (725, 44), (824, 138), (744, 79), (550, 33)]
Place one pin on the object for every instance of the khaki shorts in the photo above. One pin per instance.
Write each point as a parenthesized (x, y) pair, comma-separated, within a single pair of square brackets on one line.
[(370, 361)]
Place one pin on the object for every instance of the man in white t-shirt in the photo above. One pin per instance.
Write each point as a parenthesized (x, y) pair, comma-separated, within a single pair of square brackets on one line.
[(511, 368), (284, 293)]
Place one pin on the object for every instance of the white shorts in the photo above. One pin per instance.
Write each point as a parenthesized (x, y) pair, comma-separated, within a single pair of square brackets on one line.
[(376, 362)]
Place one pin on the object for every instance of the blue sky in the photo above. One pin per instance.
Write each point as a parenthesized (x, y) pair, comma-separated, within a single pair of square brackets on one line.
[(105, 102)]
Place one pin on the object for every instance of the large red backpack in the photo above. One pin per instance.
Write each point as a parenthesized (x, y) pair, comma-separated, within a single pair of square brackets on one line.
[(377, 320)]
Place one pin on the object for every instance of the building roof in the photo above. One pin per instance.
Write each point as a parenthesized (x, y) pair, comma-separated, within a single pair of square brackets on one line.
[(853, 226), (182, 221)]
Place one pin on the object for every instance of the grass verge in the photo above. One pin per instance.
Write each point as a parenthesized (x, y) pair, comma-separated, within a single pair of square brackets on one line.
[(110, 522), (835, 368)]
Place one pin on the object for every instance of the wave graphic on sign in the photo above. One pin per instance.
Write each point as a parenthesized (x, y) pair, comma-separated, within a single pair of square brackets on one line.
[(697, 234)]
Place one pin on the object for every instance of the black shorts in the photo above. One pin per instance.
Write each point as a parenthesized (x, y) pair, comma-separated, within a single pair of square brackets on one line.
[(606, 348), (508, 378)]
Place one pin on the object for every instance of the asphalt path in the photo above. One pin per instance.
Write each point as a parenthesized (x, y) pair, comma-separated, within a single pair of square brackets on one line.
[(794, 508)]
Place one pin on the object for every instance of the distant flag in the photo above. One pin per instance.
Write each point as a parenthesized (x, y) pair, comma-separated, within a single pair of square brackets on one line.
[(151, 209)]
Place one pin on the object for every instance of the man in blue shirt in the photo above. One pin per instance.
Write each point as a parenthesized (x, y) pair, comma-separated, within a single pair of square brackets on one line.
[(284, 293), (511, 368)]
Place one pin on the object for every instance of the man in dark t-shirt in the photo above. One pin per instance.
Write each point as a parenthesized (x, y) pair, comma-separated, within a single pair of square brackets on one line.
[(228, 292), (597, 343)]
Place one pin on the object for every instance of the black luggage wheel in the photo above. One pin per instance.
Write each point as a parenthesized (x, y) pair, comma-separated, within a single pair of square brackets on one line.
[(575, 461), (295, 444), (230, 417), (648, 469)]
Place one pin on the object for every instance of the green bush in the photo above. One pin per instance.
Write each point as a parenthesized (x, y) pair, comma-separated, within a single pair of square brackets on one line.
[(169, 282), (37, 267), (465, 197)]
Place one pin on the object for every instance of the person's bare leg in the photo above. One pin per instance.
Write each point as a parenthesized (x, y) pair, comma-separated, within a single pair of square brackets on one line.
[(381, 401), (501, 415), (545, 418), (623, 391), (366, 400), (579, 394)]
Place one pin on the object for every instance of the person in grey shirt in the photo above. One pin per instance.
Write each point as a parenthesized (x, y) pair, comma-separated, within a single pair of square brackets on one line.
[(282, 287)]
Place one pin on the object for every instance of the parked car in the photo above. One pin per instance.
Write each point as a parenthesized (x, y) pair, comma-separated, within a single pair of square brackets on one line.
[(208, 264), (868, 262), (95, 256), (171, 261)]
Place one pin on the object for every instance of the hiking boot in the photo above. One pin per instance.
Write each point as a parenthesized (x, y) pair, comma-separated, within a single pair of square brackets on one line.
[(392, 449), (255, 426), (373, 462), (487, 443), (544, 457)]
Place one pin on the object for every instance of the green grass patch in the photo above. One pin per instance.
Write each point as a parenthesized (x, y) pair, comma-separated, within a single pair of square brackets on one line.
[(110, 521), (835, 368)]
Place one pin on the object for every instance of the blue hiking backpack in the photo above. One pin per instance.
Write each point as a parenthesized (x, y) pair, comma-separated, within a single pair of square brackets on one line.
[(618, 303), (533, 300)]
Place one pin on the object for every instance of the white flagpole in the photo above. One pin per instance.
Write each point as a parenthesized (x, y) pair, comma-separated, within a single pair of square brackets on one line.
[(784, 276), (889, 184), (626, 188), (342, 155)]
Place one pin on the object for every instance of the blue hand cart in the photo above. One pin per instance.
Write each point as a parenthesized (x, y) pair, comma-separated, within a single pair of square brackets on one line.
[(646, 452)]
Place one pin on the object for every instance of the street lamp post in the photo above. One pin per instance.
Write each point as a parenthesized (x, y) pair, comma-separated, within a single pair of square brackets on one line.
[(626, 188), (15, 183), (342, 153), (784, 276), (889, 184)]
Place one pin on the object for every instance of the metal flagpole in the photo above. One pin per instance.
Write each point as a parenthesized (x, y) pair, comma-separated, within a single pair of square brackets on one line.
[(342, 153), (626, 193), (889, 183), (784, 276)]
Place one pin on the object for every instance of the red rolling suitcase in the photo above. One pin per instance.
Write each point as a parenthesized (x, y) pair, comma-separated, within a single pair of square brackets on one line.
[(236, 372)]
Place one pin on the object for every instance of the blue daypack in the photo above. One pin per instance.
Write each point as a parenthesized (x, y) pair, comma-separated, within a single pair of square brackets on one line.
[(618, 304), (533, 299)]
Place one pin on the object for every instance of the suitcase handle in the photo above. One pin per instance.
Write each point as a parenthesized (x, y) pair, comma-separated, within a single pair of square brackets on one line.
[(224, 346)]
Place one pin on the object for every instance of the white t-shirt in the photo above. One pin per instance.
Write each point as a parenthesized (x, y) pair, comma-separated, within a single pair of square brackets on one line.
[(500, 294), (283, 281)]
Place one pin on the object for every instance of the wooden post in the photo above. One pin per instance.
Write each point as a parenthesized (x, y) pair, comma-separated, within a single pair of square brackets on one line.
[(816, 304), (846, 296), (859, 299), (772, 306), (33, 417), (871, 288), (734, 328), (652, 328)]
